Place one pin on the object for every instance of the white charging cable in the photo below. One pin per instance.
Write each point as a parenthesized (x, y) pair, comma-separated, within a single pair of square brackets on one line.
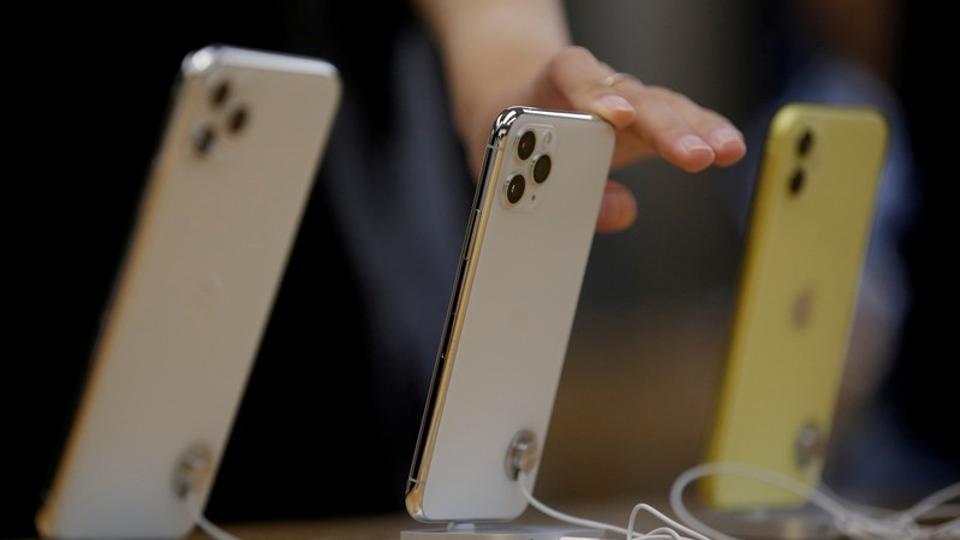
[(860, 522), (663, 533), (195, 507)]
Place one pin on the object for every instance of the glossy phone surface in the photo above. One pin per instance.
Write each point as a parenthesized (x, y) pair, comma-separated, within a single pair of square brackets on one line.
[(216, 224), (513, 305), (809, 230)]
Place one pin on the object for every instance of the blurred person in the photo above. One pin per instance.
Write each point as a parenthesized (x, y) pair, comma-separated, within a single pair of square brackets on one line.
[(330, 415)]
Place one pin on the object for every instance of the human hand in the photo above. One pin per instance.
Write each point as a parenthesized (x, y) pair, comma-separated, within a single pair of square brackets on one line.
[(649, 121)]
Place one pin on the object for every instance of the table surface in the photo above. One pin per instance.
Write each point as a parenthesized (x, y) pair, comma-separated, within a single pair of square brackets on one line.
[(616, 511), (388, 526)]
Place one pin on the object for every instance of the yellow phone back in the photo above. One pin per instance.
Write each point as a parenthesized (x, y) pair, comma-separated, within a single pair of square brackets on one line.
[(811, 218)]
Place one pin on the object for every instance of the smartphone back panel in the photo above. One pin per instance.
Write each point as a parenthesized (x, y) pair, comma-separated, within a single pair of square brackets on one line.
[(511, 315), (810, 225), (215, 227)]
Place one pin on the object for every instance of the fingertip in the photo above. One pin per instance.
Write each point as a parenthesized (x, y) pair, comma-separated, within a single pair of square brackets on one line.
[(729, 146), (731, 155), (614, 109), (692, 154), (618, 209)]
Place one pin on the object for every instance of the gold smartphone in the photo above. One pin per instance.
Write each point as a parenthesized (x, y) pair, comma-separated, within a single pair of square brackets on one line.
[(810, 224)]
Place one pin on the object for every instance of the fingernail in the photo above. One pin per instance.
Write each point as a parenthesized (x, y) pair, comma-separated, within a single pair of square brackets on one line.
[(607, 105), (691, 144), (725, 135)]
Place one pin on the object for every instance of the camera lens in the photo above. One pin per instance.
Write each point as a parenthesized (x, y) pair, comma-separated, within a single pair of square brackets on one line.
[(203, 140), (805, 143), (220, 93), (237, 119), (797, 181), (541, 168), (515, 189), (528, 141)]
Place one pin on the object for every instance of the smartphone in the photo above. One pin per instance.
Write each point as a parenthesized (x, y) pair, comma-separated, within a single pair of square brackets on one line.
[(215, 226), (810, 224), (513, 304)]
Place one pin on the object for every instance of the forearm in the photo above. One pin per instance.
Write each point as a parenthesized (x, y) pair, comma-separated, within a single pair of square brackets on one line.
[(501, 52), (491, 49)]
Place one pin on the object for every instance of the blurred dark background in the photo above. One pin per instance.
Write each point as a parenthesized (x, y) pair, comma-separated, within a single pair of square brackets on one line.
[(640, 384)]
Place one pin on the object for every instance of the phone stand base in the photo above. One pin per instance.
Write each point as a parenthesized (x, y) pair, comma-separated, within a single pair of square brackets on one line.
[(500, 533)]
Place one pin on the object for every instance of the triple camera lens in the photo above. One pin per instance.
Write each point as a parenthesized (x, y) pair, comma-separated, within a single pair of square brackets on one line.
[(541, 167)]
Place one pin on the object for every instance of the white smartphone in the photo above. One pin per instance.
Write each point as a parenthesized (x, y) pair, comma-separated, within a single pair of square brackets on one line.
[(216, 224), (514, 299)]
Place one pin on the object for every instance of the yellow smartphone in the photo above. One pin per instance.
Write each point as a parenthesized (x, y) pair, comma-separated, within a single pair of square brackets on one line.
[(810, 225)]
